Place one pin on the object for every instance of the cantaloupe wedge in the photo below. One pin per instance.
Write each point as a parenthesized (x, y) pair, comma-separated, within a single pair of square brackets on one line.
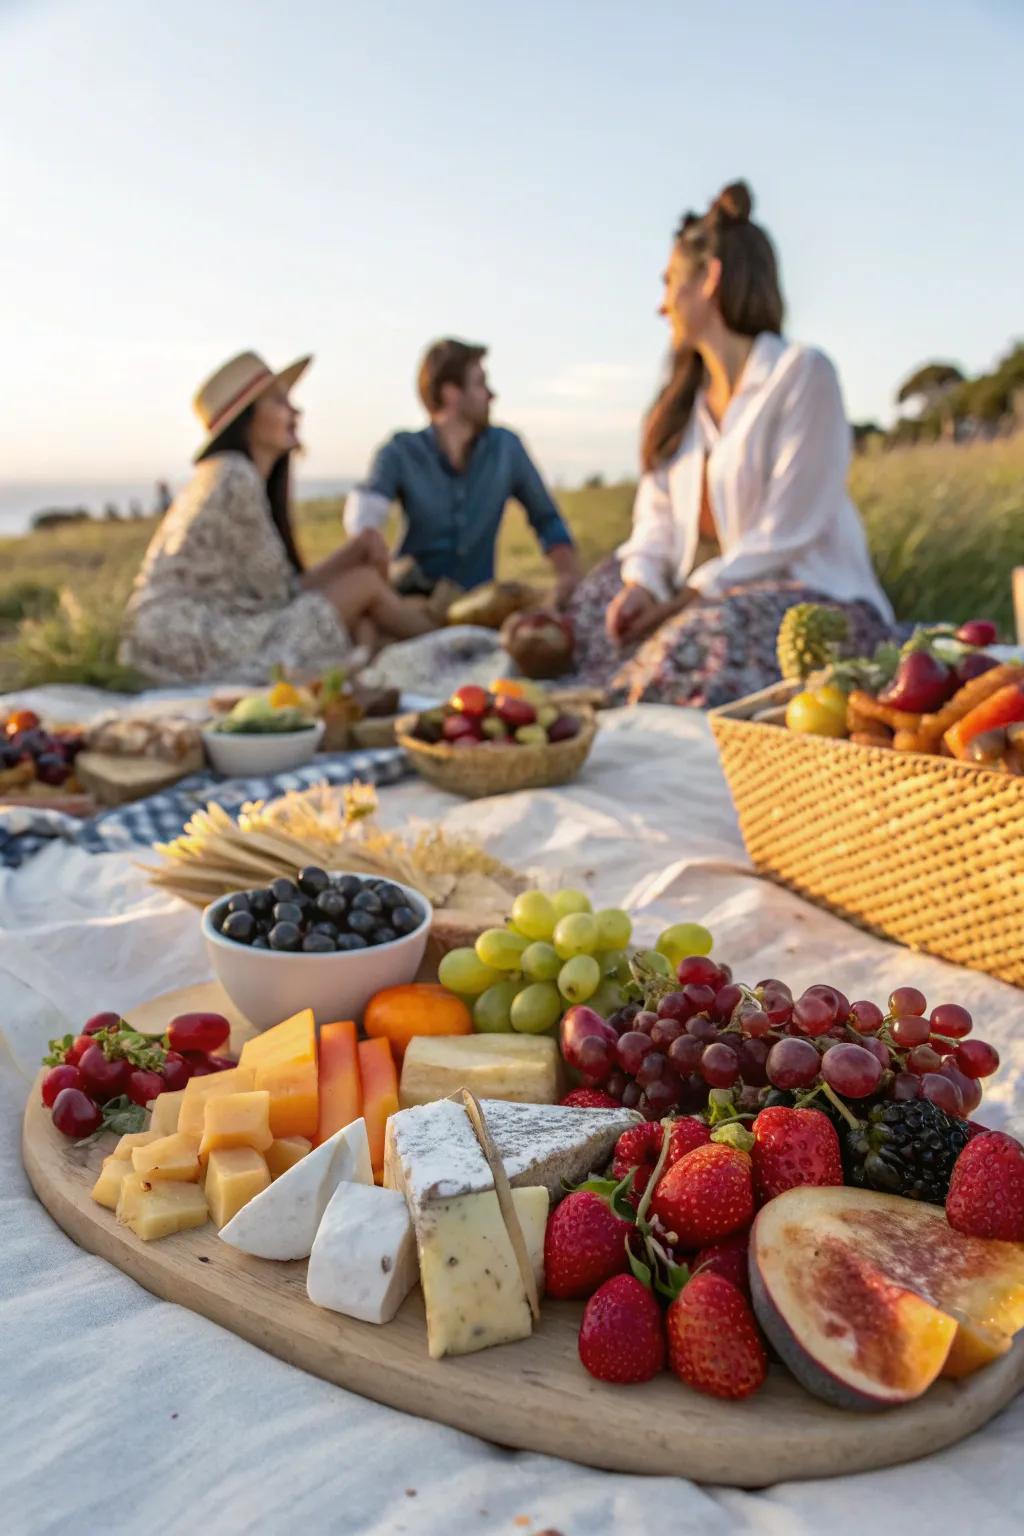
[(341, 1096), (284, 1060), (379, 1078)]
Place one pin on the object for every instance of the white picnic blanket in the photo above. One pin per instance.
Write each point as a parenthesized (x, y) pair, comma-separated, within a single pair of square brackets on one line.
[(124, 1413)]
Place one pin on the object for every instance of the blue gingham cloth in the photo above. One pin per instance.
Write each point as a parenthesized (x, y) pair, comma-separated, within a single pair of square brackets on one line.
[(25, 830)]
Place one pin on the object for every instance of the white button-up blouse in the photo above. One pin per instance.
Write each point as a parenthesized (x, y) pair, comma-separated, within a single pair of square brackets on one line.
[(777, 470)]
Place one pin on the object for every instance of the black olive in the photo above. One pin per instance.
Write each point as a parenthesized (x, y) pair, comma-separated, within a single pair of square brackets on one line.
[(404, 920), (332, 905), (348, 885), (288, 912), (362, 923), (283, 889), (318, 944), (240, 926), (382, 934), (260, 902), (391, 895), (330, 929), (347, 941), (239, 902), (367, 901), (260, 942), (284, 936), (313, 880)]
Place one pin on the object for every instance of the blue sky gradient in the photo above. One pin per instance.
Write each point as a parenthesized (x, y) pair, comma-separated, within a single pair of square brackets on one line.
[(179, 181)]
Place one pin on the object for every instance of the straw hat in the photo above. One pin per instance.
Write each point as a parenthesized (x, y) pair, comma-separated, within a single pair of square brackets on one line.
[(226, 393)]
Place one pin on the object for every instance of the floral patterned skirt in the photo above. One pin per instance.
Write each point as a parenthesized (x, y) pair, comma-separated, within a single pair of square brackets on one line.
[(715, 651)]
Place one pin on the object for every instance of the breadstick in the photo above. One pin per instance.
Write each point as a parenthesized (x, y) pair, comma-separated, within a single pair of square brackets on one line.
[(872, 709), (913, 741), (966, 698), (871, 739)]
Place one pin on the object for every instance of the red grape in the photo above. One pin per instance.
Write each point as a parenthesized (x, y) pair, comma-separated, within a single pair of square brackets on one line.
[(70, 1077), (978, 632), (752, 1057), (199, 1065), (665, 1031), (693, 1095), (631, 1096), (910, 1029), (813, 1014), (676, 1005), (906, 1086), (630, 1050), (143, 1086), (832, 995), (701, 970), (101, 1021), (970, 1088), (198, 1032), (175, 1072), (685, 1053), (866, 1018), (700, 998), (580, 1024), (851, 1071), (773, 984), (777, 1005), (660, 1097), (719, 1067), (75, 1114), (225, 1063), (923, 1059), (102, 1079), (941, 1091), (878, 1049), (702, 1028), (726, 1000), (976, 1058), (753, 1021), (77, 1049), (616, 1084), (645, 1021), (792, 1063), (653, 1068), (952, 1020), (907, 1000)]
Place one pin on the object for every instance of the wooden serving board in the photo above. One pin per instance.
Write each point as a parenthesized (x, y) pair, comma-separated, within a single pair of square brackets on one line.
[(532, 1395)]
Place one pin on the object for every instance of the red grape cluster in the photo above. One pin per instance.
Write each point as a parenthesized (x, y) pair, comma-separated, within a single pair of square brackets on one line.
[(710, 1032)]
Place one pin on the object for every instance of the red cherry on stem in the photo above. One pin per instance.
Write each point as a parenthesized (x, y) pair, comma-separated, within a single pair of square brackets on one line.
[(58, 1078), (75, 1114)]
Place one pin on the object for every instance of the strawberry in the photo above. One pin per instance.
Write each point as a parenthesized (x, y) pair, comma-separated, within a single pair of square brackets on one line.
[(622, 1335), (590, 1098), (640, 1148), (713, 1341), (728, 1259), (584, 1244), (707, 1195), (986, 1192), (794, 1147)]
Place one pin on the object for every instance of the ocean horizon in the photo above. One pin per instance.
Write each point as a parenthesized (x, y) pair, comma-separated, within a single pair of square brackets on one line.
[(21, 500)]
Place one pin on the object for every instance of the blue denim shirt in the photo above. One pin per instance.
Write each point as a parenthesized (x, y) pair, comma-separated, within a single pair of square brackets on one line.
[(452, 519)]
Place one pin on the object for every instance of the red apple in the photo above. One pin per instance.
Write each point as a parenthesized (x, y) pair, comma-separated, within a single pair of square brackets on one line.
[(514, 712), (471, 700), (456, 727)]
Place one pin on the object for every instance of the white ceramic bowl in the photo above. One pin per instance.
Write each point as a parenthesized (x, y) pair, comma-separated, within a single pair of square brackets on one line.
[(269, 985), (241, 755)]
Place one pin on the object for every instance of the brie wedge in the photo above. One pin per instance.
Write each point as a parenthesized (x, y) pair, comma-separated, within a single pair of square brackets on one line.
[(363, 1261)]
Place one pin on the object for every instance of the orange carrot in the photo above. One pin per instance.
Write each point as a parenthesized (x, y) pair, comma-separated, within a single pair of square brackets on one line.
[(380, 1096), (341, 1097), (1003, 708)]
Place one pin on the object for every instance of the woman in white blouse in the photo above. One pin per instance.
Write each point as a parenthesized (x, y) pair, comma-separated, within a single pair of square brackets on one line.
[(742, 509)]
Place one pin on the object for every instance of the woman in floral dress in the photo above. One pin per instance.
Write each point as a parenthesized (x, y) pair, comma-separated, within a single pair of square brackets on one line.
[(222, 593), (742, 509)]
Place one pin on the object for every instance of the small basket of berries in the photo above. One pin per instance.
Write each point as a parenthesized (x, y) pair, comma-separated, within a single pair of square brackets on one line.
[(482, 743)]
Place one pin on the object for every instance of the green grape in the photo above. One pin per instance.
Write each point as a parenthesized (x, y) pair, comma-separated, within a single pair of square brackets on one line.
[(533, 915), (614, 928), (541, 962), (568, 901), (684, 939), (611, 961), (501, 949), (536, 1008), (575, 935), (462, 970), (492, 1011), (608, 998), (579, 978), (656, 961)]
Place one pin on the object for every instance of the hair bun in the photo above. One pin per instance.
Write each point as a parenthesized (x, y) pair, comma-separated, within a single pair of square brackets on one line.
[(734, 204)]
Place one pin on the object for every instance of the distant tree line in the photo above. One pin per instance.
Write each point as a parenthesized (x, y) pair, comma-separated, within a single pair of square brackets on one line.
[(944, 403)]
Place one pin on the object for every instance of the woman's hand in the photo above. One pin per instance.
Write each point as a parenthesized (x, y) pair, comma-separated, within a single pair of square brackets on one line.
[(369, 547), (629, 614)]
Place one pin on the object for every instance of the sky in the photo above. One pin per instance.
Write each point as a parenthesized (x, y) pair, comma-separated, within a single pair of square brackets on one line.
[(181, 181)]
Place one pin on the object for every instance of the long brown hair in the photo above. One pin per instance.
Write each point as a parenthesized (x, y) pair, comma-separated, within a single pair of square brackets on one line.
[(749, 297), (235, 439)]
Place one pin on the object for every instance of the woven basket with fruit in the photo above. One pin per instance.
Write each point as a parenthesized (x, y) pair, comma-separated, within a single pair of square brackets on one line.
[(490, 743)]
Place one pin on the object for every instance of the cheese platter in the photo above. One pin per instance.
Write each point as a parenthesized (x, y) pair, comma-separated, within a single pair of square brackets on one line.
[(423, 1211)]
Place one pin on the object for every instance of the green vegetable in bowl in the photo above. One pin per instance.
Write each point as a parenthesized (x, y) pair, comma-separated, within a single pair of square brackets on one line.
[(255, 716)]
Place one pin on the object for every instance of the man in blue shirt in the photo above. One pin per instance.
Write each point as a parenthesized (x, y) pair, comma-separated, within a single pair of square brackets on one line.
[(453, 478)]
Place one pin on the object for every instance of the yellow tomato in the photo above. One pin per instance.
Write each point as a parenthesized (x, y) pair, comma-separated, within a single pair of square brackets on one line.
[(284, 696), (818, 712)]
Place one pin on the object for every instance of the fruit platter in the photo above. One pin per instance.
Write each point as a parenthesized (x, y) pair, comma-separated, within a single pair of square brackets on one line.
[(888, 788), (38, 765), (511, 736), (606, 1202)]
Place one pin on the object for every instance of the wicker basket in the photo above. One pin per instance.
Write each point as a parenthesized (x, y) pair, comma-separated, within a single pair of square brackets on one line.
[(923, 850), (478, 771)]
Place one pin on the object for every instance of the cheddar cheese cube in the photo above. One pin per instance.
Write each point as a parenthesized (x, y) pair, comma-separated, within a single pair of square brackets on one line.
[(172, 1158), (233, 1176), (198, 1092), (237, 1120), (166, 1108), (294, 1100), (294, 1040), (284, 1152), (160, 1210), (133, 1139), (107, 1189)]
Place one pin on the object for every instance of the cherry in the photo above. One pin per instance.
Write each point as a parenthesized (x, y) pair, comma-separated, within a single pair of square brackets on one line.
[(75, 1114), (175, 1072), (101, 1021), (58, 1078), (144, 1085), (102, 1078)]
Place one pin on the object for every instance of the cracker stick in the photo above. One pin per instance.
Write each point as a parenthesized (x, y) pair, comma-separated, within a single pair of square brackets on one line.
[(966, 698), (870, 739), (913, 741), (872, 709)]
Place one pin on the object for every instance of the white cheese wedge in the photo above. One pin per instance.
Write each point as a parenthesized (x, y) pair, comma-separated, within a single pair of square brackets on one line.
[(431, 1153), (281, 1222), (363, 1261), (472, 1285), (522, 1068)]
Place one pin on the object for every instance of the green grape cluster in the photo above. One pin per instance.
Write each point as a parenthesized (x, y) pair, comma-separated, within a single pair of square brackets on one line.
[(554, 952)]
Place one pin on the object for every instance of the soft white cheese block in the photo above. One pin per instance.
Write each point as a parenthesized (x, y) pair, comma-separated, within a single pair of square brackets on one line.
[(281, 1221), (432, 1153), (472, 1287), (523, 1068), (363, 1261)]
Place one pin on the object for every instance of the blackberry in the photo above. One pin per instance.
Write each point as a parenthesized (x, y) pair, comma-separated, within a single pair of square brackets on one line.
[(905, 1148)]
